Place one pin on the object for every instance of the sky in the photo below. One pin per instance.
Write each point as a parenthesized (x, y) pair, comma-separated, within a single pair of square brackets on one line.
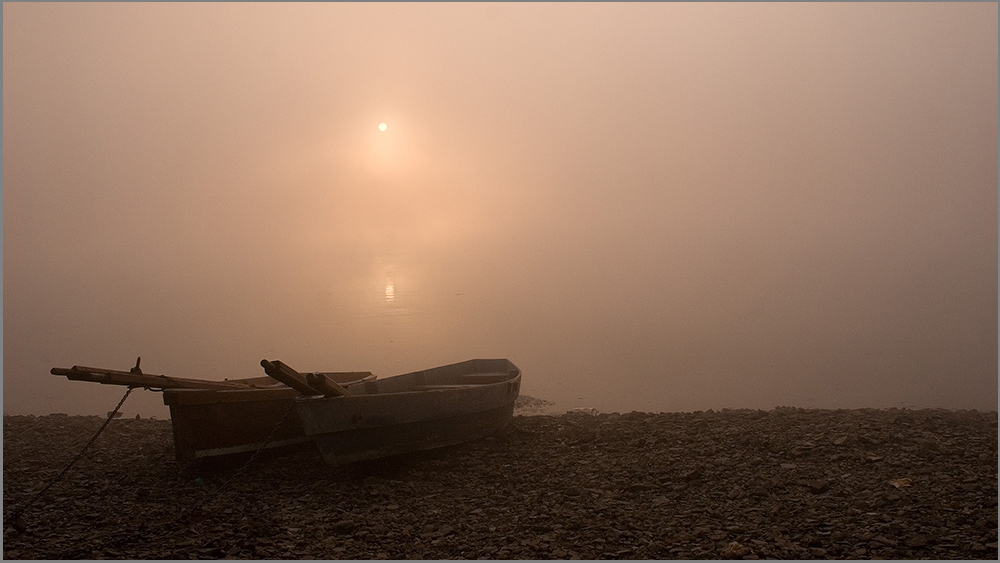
[(658, 207)]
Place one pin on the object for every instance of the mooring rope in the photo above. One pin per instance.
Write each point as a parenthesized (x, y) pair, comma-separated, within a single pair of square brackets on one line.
[(237, 473), (15, 517), (187, 514)]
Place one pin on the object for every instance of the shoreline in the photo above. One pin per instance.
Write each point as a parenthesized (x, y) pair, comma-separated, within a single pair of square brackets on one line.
[(784, 483)]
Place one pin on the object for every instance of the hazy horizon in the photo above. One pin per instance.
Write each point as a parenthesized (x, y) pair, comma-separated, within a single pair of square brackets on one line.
[(659, 207)]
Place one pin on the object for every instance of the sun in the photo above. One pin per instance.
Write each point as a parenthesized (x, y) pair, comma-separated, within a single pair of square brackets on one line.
[(382, 127)]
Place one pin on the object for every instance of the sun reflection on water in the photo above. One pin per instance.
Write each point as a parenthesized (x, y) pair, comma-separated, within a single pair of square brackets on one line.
[(390, 292)]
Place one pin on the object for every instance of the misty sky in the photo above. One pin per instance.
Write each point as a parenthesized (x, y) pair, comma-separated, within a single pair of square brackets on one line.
[(646, 207)]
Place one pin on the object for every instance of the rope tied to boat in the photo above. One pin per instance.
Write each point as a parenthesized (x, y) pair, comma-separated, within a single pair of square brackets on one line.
[(17, 516), (190, 512), (236, 473)]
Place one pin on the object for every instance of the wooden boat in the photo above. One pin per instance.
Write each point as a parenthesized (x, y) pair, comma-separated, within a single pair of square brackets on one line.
[(210, 418), (421, 410), (350, 416)]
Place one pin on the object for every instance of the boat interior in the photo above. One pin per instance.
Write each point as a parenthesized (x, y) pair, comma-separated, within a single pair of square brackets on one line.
[(469, 373)]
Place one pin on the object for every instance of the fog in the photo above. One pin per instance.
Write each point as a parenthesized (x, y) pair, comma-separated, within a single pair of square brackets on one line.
[(660, 207)]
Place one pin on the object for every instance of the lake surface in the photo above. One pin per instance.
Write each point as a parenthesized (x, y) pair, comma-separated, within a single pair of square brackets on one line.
[(653, 207)]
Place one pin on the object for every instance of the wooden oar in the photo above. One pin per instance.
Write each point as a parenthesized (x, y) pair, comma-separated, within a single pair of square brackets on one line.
[(310, 384), (329, 387)]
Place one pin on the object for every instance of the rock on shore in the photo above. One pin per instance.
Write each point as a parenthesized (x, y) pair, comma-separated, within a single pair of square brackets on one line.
[(784, 483)]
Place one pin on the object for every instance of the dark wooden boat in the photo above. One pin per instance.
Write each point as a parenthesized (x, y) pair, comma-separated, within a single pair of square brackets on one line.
[(421, 410), (350, 416), (220, 418)]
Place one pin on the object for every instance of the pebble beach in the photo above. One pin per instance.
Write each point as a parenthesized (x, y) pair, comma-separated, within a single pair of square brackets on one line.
[(731, 484)]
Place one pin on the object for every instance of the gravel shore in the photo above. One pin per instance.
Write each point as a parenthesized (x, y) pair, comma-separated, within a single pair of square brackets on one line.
[(784, 483)]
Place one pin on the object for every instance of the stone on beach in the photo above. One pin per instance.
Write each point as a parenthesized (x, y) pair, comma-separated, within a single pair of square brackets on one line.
[(728, 484)]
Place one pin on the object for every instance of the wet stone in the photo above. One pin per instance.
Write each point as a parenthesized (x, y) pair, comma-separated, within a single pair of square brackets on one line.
[(818, 486), (344, 526), (693, 475)]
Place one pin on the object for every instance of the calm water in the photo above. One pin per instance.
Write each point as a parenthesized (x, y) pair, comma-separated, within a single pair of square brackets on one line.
[(645, 207)]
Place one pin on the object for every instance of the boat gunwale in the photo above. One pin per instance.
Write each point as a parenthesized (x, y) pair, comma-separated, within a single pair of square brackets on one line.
[(513, 374), (276, 392), (400, 408)]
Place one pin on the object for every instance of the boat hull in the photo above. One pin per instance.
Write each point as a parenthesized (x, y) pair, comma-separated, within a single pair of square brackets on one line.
[(347, 446), (210, 423), (411, 412), (214, 429)]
